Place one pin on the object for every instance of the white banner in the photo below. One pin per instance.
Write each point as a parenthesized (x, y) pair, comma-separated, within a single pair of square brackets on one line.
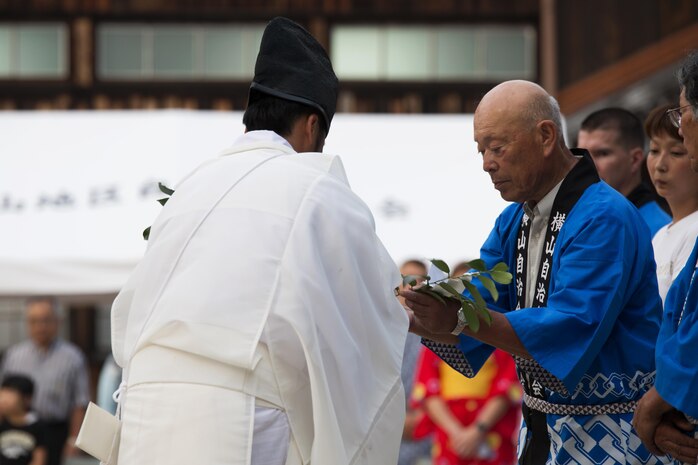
[(78, 188)]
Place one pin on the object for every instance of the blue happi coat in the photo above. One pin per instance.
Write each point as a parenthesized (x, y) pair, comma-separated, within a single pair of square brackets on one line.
[(677, 368), (597, 332)]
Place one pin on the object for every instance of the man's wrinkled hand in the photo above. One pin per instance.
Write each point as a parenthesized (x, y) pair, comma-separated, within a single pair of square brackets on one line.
[(428, 313), (648, 414), (671, 437)]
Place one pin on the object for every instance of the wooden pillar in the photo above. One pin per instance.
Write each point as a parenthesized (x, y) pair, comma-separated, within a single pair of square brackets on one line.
[(83, 52), (82, 321), (548, 46)]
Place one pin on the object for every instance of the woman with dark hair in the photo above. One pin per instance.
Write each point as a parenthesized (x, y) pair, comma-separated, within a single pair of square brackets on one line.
[(670, 170)]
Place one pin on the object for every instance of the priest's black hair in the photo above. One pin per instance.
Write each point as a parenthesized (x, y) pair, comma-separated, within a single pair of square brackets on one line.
[(270, 113)]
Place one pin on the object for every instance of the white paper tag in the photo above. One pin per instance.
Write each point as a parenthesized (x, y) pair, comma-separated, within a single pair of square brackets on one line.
[(99, 434)]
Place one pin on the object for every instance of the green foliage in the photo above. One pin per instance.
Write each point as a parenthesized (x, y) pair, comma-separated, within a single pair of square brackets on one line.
[(501, 277), (478, 265), (471, 315), (473, 305), (440, 264), (490, 286), (167, 191), (164, 189)]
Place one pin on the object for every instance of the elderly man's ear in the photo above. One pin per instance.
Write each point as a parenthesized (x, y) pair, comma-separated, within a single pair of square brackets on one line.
[(548, 136)]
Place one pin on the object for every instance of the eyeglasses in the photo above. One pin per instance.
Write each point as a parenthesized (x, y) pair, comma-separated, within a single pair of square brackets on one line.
[(675, 115)]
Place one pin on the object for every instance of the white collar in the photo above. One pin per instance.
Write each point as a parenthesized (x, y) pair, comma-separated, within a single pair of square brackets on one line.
[(259, 140), (545, 206)]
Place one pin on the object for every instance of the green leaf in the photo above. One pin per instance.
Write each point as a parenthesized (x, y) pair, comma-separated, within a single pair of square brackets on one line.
[(146, 233), (501, 266), (484, 315), (164, 189), (490, 286), (451, 290), (440, 264), (163, 201), (471, 316), (476, 295), (478, 265), (502, 277)]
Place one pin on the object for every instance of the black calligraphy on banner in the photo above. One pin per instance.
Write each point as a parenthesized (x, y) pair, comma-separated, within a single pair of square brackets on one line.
[(60, 199), (11, 204), (65, 199)]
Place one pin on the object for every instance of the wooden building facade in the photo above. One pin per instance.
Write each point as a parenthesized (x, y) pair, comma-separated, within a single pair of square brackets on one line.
[(573, 42)]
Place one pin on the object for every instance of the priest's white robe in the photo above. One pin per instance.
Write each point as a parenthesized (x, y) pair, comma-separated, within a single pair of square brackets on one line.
[(266, 291)]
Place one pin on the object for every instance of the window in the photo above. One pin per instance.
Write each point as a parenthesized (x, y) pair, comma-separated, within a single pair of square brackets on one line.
[(177, 52), (38, 51), (434, 53)]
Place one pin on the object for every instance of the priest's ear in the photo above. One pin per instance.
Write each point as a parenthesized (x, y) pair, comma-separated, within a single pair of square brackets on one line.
[(308, 134)]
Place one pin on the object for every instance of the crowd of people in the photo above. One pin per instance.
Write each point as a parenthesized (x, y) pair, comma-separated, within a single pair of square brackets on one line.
[(299, 354), (45, 391)]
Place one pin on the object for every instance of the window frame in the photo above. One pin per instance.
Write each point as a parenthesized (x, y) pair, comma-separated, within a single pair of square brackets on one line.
[(63, 47), (529, 32)]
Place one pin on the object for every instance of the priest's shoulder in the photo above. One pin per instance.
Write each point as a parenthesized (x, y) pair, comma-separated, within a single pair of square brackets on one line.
[(322, 162)]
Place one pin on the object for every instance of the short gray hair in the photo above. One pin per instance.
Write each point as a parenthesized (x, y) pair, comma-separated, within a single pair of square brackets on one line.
[(688, 79), (544, 108)]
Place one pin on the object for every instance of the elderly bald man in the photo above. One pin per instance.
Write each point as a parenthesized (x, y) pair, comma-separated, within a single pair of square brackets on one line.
[(583, 312)]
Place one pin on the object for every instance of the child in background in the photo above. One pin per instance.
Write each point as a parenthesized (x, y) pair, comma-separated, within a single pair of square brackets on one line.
[(21, 435), (476, 419)]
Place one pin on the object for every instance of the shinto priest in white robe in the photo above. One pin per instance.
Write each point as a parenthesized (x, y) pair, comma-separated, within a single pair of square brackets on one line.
[(262, 296)]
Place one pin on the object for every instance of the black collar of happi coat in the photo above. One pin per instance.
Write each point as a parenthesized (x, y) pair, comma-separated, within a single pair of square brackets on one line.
[(580, 177), (641, 195)]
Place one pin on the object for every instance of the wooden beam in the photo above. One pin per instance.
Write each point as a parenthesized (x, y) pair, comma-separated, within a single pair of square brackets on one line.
[(629, 70), (548, 46)]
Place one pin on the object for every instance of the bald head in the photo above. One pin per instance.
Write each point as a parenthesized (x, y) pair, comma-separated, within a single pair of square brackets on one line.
[(522, 103), (518, 130)]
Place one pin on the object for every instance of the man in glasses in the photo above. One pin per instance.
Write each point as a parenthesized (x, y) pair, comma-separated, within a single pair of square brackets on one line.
[(616, 141), (667, 415)]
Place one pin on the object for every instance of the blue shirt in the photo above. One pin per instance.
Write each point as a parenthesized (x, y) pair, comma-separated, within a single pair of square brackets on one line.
[(654, 216), (677, 370), (603, 291), (645, 200)]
